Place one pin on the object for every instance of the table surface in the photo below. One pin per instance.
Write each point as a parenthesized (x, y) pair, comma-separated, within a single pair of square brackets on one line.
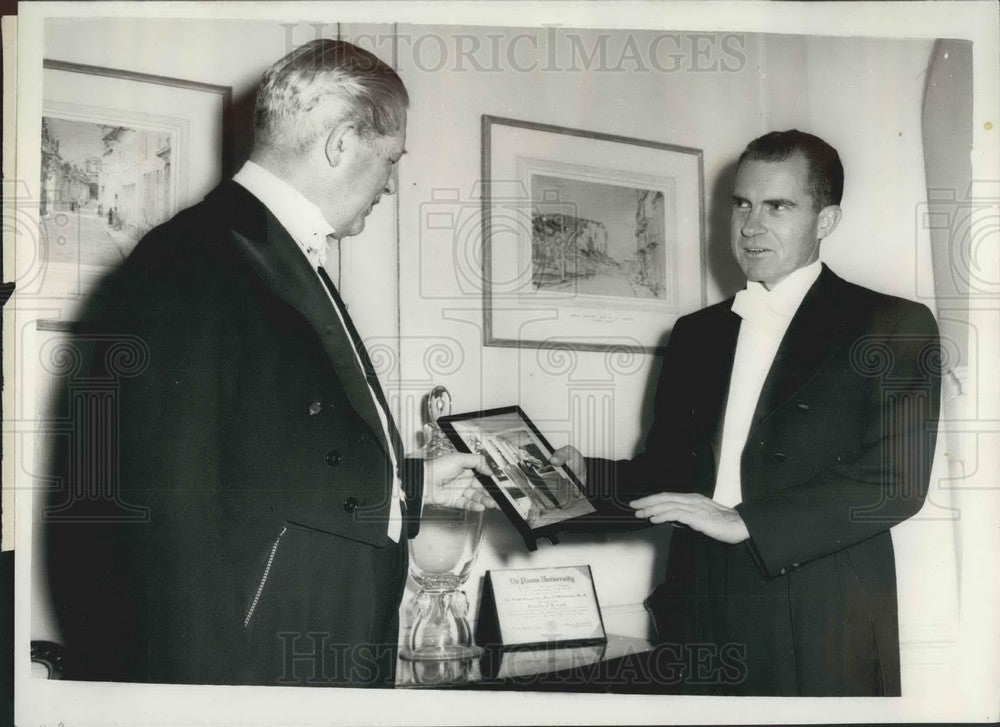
[(598, 668)]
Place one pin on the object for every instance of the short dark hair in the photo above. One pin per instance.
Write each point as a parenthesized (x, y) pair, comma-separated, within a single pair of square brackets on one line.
[(292, 102), (826, 173)]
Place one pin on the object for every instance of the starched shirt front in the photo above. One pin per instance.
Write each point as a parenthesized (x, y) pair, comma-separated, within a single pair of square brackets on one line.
[(766, 315)]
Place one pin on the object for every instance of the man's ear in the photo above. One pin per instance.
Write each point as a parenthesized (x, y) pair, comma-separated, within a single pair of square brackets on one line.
[(828, 219), (339, 142)]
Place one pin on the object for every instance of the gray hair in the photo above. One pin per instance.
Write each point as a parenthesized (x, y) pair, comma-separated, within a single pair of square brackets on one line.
[(323, 83)]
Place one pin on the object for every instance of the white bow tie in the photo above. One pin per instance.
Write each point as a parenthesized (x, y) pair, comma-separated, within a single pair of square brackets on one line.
[(315, 250), (757, 304)]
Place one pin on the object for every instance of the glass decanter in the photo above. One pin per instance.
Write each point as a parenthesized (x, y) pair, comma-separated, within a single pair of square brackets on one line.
[(441, 559)]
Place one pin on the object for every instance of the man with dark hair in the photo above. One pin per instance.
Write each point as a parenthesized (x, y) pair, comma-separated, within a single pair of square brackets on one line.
[(825, 173), (255, 497), (794, 425)]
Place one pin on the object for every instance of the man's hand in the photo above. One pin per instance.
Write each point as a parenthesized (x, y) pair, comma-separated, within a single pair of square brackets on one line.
[(696, 511), (449, 481), (571, 457)]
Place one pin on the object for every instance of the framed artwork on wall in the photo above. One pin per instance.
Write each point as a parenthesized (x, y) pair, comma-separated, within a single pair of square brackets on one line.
[(121, 152), (590, 241)]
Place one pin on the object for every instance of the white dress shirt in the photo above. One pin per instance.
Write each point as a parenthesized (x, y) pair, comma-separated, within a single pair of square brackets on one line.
[(307, 226), (766, 315)]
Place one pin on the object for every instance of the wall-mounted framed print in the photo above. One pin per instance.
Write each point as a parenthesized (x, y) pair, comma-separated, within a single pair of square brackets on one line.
[(121, 152), (590, 241)]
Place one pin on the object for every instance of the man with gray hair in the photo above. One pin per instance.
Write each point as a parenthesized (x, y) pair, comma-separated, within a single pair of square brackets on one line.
[(253, 437)]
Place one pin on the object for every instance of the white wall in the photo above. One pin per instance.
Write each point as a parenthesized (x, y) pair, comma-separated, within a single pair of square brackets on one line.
[(228, 52)]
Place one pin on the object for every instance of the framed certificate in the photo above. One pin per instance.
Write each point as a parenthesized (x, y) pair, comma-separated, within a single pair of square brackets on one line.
[(536, 496), (534, 608)]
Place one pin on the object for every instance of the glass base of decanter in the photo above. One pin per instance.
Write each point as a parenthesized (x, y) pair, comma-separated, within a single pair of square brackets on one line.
[(442, 653)]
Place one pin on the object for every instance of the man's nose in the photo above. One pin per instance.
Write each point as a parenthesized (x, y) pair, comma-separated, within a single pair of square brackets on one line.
[(751, 224), (390, 184)]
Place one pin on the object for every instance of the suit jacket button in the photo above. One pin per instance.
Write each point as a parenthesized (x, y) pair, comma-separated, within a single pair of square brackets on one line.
[(315, 408), (350, 504), (333, 458), (780, 456), (783, 571)]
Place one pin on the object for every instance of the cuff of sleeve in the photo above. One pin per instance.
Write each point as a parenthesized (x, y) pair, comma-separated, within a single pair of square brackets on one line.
[(750, 543), (766, 562), (608, 496)]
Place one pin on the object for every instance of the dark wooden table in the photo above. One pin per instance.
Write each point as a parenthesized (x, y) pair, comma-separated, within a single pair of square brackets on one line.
[(624, 665)]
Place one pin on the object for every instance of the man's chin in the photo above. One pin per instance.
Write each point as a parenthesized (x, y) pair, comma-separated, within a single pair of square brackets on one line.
[(354, 230), (752, 271)]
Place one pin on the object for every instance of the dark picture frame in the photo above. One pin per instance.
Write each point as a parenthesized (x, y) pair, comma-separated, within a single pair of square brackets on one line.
[(591, 241), (537, 497)]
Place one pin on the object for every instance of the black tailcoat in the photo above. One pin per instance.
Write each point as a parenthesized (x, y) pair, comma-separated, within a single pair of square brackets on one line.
[(219, 512), (839, 450)]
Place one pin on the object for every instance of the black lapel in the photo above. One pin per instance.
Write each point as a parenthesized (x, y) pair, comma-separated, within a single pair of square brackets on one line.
[(366, 363), (285, 271), (815, 333), (715, 371)]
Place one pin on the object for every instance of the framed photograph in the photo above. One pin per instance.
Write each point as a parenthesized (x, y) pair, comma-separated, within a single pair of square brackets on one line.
[(590, 241), (121, 152), (534, 494)]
